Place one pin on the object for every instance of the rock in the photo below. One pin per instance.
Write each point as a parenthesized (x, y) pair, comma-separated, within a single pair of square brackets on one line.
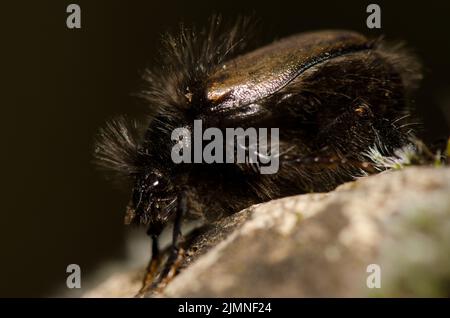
[(392, 228)]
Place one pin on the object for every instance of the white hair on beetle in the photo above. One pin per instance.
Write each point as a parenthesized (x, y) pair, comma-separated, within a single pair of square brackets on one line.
[(401, 158)]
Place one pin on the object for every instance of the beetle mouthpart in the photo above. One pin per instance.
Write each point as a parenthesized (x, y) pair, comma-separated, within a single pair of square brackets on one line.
[(130, 214)]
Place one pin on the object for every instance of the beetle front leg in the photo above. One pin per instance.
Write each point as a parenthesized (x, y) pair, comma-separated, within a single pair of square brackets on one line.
[(152, 268), (177, 252)]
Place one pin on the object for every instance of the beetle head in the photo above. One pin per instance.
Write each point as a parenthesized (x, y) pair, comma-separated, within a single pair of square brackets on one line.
[(153, 200)]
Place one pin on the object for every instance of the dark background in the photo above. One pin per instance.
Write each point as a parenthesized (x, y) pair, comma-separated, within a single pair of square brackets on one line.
[(59, 86)]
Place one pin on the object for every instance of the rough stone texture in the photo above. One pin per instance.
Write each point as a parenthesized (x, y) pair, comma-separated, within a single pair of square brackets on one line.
[(321, 244)]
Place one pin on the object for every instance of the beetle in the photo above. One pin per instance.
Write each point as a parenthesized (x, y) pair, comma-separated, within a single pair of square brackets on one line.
[(335, 95)]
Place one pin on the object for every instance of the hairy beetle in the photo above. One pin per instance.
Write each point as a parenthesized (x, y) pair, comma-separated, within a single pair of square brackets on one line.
[(334, 95)]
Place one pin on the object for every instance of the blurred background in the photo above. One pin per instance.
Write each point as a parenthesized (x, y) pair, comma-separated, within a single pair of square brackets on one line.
[(60, 85)]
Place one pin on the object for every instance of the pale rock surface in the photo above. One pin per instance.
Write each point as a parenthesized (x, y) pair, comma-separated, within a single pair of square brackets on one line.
[(322, 244)]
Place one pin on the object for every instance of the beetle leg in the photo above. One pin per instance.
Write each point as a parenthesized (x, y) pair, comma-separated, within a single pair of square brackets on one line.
[(327, 161), (177, 252), (170, 268), (152, 268)]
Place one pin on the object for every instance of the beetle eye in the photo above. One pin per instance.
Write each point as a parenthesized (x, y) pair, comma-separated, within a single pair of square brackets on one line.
[(159, 184)]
